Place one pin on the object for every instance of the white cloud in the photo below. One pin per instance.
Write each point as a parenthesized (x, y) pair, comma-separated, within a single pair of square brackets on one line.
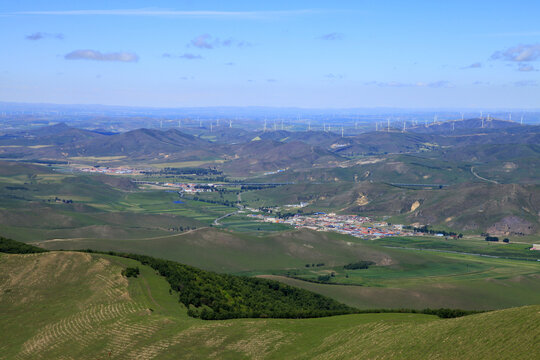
[(433, 84), (475, 65), (523, 83), (42, 35), (334, 76), (519, 53), (526, 68), (189, 56), (202, 42), (98, 56), (332, 36), (206, 41), (175, 13)]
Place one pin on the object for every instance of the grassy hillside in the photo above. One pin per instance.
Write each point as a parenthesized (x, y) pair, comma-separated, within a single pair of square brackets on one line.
[(92, 311), (400, 278), (226, 251), (267, 155)]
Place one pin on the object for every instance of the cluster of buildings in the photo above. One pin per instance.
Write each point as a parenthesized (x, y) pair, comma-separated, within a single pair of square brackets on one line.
[(111, 171), (358, 226), (192, 187), (274, 172), (182, 187)]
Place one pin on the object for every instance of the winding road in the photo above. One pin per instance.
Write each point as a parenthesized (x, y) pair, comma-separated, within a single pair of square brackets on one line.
[(216, 222), (482, 178)]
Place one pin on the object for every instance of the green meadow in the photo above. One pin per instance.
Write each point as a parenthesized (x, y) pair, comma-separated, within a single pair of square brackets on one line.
[(93, 312)]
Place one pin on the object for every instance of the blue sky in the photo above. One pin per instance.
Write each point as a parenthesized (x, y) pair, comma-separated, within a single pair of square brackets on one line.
[(315, 54)]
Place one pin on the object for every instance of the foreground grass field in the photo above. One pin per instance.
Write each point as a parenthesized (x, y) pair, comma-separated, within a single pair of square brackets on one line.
[(65, 305)]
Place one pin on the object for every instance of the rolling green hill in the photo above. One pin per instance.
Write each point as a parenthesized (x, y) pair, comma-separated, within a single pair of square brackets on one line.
[(75, 305), (401, 277), (268, 155)]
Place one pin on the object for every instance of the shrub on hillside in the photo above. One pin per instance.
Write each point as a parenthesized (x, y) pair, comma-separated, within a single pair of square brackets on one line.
[(131, 272), (362, 264)]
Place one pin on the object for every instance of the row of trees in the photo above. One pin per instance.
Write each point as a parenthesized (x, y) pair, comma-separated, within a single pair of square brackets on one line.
[(210, 201), (426, 230), (495, 239), (185, 171), (313, 265), (182, 228), (362, 264)]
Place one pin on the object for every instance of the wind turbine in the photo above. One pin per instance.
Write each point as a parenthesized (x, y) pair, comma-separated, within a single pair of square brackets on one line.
[(521, 119)]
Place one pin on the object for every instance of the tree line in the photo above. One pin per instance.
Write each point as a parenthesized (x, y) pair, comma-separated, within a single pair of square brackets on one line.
[(426, 230), (16, 247)]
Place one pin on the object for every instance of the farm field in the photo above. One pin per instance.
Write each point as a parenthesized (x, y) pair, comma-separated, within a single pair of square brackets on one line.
[(93, 312)]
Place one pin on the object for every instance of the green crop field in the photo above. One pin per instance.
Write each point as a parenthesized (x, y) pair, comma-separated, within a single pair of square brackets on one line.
[(74, 305)]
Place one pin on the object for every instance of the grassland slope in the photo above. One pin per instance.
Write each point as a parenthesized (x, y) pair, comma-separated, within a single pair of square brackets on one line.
[(74, 305)]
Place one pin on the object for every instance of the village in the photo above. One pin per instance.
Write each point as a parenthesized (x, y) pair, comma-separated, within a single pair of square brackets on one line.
[(110, 171), (358, 226)]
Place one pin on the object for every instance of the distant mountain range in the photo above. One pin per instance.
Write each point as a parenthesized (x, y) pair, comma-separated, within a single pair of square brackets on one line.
[(247, 153)]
